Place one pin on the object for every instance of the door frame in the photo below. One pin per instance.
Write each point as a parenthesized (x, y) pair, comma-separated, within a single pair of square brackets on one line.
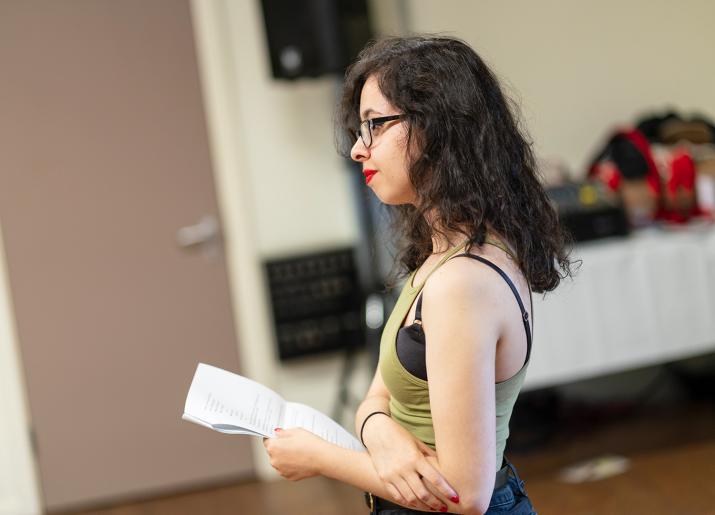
[(18, 471), (247, 283)]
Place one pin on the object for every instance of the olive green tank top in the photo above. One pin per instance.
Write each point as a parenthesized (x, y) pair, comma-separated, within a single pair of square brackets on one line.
[(409, 395)]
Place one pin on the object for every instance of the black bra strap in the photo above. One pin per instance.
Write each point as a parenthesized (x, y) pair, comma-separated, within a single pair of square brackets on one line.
[(524, 313), (418, 310)]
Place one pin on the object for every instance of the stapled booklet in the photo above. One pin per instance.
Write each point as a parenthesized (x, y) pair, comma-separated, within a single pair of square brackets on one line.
[(230, 403)]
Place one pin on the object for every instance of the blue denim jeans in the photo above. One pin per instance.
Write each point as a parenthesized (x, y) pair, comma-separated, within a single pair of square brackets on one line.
[(509, 499)]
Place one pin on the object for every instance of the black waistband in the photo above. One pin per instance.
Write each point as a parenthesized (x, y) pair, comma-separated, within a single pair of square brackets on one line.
[(376, 503)]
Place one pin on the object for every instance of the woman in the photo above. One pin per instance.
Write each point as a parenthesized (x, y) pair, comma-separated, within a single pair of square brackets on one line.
[(438, 142)]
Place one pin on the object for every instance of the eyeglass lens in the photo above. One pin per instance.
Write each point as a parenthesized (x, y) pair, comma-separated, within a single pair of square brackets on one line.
[(365, 133)]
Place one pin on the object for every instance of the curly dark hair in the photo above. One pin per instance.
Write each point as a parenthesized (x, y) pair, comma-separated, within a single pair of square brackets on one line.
[(475, 168)]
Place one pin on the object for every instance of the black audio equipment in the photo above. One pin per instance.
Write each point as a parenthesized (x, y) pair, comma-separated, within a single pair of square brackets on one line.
[(317, 303), (310, 38), (588, 211)]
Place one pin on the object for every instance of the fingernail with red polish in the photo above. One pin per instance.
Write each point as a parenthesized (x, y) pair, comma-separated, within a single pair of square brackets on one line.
[(277, 429), (454, 499), (443, 509)]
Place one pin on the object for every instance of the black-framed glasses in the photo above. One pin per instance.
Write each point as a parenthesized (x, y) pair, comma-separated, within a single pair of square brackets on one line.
[(368, 126)]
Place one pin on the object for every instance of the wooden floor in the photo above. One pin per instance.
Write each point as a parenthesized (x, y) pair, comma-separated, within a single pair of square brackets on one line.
[(672, 471)]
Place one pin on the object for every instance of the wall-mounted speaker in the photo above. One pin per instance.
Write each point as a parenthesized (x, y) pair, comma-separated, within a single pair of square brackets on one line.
[(310, 38)]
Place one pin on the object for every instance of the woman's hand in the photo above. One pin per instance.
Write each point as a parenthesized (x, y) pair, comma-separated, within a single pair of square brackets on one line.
[(295, 453), (403, 464)]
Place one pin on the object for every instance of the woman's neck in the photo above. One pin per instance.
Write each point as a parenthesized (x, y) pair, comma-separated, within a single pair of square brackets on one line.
[(446, 240), (442, 243), (442, 240)]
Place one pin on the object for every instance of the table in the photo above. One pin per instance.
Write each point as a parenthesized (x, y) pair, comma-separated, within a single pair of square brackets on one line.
[(636, 301)]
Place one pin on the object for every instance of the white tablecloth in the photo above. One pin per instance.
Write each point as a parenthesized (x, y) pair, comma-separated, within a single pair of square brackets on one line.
[(636, 301)]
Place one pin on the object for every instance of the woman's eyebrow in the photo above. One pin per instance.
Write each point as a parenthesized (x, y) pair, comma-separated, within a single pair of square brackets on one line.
[(367, 112)]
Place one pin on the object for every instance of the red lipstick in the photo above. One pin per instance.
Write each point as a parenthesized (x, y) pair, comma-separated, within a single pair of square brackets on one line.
[(368, 175)]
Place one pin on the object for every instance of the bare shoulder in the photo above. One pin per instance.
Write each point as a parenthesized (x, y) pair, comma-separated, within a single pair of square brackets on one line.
[(463, 304), (462, 279), (467, 301)]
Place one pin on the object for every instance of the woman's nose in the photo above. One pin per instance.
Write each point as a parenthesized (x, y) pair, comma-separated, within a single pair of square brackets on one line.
[(359, 152)]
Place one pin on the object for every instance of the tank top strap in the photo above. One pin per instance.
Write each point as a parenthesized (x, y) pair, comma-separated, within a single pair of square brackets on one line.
[(495, 242), (418, 311), (444, 258)]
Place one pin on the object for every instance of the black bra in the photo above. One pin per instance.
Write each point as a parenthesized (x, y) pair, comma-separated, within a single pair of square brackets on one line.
[(411, 339)]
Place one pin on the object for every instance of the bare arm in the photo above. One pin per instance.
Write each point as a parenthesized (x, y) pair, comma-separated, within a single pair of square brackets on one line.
[(298, 454), (356, 468), (376, 399), (462, 323), (400, 459)]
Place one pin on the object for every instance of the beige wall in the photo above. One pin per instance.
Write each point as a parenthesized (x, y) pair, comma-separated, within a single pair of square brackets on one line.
[(580, 67), (298, 185)]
